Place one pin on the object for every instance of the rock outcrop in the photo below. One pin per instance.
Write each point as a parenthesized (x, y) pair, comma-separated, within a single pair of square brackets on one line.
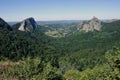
[(28, 24), (91, 25)]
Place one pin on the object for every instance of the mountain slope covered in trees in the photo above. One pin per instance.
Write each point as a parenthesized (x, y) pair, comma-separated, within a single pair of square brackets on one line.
[(93, 55)]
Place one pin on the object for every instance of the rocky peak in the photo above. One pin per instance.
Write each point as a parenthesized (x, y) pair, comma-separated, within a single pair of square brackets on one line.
[(28, 24), (95, 18), (91, 25)]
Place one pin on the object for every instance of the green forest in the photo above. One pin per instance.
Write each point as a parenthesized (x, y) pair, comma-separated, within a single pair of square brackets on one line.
[(93, 55)]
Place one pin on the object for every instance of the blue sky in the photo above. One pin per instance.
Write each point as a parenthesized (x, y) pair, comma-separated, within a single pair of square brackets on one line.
[(17, 10)]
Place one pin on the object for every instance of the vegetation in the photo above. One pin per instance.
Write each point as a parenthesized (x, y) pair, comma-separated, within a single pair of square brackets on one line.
[(78, 56)]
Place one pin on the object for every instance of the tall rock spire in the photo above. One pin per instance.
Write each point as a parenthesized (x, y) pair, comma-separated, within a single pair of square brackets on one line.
[(28, 24), (91, 25)]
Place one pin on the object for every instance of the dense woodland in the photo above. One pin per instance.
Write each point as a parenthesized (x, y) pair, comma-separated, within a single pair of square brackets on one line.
[(79, 56)]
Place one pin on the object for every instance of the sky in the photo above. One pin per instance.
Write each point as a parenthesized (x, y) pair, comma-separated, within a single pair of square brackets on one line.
[(17, 10)]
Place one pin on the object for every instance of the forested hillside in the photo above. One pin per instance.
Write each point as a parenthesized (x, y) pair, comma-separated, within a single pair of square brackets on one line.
[(32, 55)]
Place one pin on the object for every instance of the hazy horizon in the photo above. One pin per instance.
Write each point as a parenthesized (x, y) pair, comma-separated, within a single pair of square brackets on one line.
[(52, 10)]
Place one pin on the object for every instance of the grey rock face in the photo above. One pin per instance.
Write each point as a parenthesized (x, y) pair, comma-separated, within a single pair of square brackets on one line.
[(91, 25), (28, 24)]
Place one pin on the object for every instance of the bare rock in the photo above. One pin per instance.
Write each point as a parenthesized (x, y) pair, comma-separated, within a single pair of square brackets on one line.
[(28, 24), (91, 25)]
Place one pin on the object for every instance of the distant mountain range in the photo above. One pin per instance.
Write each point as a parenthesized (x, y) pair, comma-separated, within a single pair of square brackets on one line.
[(52, 22), (61, 28), (59, 21)]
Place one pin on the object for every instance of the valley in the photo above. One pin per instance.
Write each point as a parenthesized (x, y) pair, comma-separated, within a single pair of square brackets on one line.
[(82, 50)]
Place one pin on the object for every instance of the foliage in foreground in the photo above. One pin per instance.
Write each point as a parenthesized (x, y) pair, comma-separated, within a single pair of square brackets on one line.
[(35, 69)]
